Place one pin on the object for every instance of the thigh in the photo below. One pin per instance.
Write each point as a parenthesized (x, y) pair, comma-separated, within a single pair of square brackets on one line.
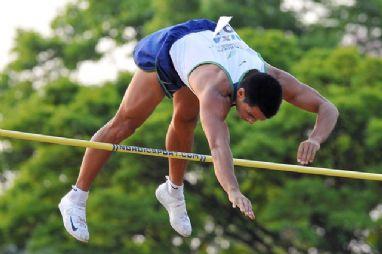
[(142, 96), (186, 106)]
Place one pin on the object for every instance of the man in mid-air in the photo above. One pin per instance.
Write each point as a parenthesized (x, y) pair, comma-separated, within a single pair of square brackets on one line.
[(207, 69)]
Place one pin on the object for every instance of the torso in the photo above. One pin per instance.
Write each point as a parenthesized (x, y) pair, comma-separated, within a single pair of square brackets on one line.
[(225, 50), (175, 52)]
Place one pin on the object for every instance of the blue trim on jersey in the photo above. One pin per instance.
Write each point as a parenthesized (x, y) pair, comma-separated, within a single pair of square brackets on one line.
[(152, 52), (235, 88)]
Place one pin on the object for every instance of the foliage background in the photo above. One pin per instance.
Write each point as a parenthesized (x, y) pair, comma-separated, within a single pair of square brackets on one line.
[(295, 213)]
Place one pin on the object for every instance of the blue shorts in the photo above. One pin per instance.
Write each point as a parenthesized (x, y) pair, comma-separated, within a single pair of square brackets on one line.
[(152, 52)]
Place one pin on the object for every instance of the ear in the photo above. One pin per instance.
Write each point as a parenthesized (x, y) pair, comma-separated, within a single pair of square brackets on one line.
[(241, 93)]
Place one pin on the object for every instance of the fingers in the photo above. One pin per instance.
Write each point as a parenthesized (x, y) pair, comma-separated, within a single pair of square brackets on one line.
[(306, 155), (312, 154), (307, 151), (305, 148), (246, 207), (300, 152), (243, 203), (249, 211)]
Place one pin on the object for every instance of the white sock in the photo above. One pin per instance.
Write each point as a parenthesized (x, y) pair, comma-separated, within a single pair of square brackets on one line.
[(78, 196), (174, 190)]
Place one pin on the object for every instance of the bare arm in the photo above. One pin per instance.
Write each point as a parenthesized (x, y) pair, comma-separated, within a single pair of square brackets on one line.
[(310, 100), (211, 86), (213, 111)]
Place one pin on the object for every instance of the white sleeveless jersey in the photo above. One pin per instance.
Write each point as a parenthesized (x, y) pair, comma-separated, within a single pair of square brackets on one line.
[(225, 50)]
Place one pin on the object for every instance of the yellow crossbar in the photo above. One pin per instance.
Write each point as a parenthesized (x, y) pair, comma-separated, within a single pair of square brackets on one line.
[(187, 156)]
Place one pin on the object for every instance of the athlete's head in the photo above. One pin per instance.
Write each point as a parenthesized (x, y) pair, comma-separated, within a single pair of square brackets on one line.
[(259, 96)]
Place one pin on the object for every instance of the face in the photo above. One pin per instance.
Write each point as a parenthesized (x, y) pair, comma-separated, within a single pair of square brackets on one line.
[(246, 112)]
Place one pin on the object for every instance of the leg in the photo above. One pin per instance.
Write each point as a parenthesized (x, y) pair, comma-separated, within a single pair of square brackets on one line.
[(180, 134), (180, 137), (142, 96)]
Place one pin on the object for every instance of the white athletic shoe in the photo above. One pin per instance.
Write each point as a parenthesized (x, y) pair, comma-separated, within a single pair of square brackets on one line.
[(74, 218), (176, 208)]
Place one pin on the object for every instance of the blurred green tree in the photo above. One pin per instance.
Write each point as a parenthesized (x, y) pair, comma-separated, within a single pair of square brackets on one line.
[(294, 212)]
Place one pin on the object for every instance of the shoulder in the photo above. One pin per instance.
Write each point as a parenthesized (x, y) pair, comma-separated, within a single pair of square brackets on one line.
[(281, 76), (209, 78), (290, 85), (212, 88), (275, 72)]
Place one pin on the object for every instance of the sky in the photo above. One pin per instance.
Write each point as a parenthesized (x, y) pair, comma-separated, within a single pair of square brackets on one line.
[(37, 15), (14, 14)]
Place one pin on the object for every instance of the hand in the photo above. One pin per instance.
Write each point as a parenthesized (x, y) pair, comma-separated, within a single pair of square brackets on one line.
[(307, 151), (244, 204)]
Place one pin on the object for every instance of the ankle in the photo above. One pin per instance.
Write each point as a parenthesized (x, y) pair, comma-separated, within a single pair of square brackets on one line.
[(82, 185), (78, 196), (174, 190), (176, 181)]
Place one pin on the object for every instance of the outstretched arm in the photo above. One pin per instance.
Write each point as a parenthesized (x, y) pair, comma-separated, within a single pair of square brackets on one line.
[(310, 100), (213, 110), (211, 86)]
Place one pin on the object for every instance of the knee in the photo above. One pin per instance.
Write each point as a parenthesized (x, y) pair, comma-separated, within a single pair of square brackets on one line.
[(121, 129), (184, 123)]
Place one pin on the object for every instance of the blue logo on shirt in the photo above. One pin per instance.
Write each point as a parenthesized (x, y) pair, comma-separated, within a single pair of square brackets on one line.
[(228, 35)]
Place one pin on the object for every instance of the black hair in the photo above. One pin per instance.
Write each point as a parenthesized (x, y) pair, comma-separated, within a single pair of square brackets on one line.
[(262, 90)]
